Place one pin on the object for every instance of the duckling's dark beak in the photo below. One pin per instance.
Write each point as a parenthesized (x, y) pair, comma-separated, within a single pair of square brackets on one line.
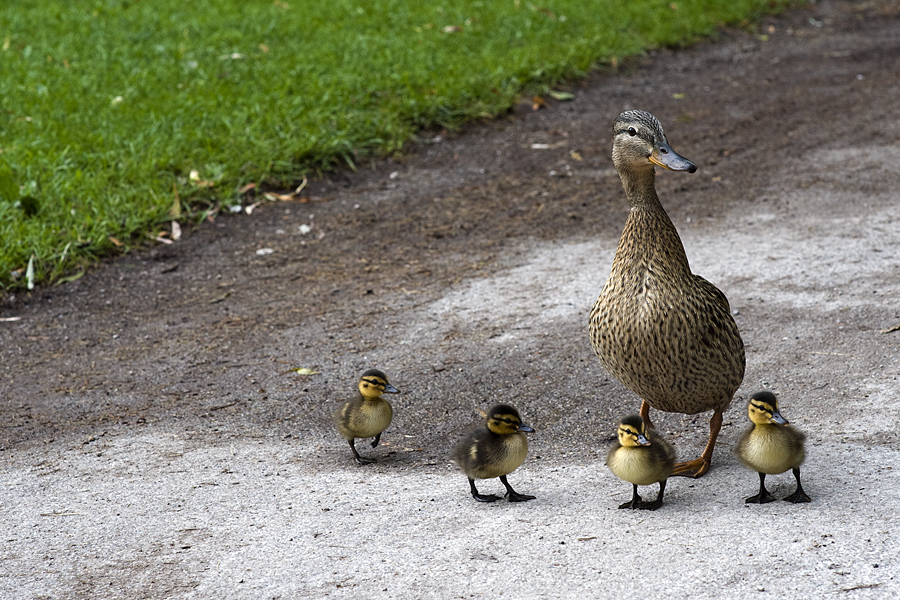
[(391, 389), (525, 428), (667, 158), (642, 440), (778, 419)]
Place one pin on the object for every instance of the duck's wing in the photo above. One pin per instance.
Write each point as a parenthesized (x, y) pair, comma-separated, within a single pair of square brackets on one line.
[(712, 292)]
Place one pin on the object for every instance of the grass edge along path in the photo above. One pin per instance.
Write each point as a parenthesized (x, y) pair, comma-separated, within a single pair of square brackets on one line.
[(119, 116)]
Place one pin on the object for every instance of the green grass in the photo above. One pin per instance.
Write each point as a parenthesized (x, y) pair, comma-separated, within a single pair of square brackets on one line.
[(106, 106)]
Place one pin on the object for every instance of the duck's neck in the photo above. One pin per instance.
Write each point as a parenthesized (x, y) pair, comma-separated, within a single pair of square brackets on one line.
[(650, 236)]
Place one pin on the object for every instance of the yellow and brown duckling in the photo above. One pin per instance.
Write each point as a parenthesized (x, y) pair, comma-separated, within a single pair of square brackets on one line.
[(662, 331), (771, 446), (641, 456), (368, 414), (495, 450)]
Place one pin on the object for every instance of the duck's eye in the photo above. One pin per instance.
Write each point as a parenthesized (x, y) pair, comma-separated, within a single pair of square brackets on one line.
[(632, 131)]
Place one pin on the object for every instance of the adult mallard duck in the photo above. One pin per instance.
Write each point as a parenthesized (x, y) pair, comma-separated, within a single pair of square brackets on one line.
[(367, 415), (662, 331), (641, 457), (771, 446), (495, 450)]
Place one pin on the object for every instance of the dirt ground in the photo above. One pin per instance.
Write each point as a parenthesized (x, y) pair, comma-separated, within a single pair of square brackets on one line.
[(156, 441)]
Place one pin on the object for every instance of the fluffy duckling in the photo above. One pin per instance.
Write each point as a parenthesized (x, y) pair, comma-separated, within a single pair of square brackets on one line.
[(368, 414), (771, 446), (641, 457), (494, 451), (662, 331)]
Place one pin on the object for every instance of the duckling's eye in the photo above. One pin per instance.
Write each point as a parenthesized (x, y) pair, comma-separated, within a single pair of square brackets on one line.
[(632, 131)]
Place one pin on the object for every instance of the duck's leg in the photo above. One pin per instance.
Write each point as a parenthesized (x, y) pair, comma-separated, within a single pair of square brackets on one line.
[(635, 501), (799, 495), (376, 440), (699, 467), (359, 459), (480, 497), (659, 498), (645, 414), (512, 495), (763, 496)]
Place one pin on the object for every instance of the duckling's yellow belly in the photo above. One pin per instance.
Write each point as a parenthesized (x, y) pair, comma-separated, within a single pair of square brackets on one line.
[(490, 462), (364, 419), (770, 450), (635, 465)]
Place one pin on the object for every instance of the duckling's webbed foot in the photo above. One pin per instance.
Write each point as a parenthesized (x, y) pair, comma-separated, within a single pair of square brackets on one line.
[(635, 501), (481, 497), (360, 459), (799, 495), (763, 497), (659, 499), (512, 495)]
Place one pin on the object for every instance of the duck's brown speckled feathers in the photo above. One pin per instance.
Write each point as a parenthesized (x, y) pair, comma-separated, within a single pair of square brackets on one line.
[(494, 450), (665, 333)]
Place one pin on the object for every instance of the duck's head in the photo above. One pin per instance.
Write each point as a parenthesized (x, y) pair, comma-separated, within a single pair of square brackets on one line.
[(504, 419), (632, 432), (639, 143), (373, 383), (763, 409)]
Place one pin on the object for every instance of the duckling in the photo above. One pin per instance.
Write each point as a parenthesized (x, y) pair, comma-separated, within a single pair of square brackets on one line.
[(494, 451), (641, 457), (771, 446), (662, 331), (368, 414)]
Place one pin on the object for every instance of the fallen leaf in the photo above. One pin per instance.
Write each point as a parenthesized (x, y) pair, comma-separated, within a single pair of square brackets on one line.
[(305, 371), (452, 29), (576, 155), (561, 96), (537, 102), (115, 242), (160, 237), (246, 188), (892, 329), (218, 299), (278, 197), (176, 231), (29, 273), (70, 278)]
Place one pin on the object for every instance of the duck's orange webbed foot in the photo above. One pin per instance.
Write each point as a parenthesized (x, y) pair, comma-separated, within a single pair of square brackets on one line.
[(692, 468)]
